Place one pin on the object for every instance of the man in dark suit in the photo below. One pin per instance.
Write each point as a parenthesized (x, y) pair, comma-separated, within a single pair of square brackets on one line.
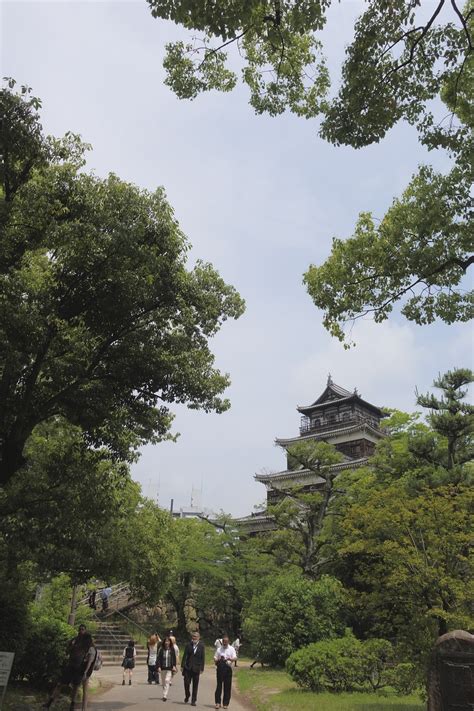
[(192, 665)]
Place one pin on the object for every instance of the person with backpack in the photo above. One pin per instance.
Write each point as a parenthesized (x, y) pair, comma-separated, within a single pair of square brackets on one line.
[(81, 655), (166, 664), (90, 663), (128, 662)]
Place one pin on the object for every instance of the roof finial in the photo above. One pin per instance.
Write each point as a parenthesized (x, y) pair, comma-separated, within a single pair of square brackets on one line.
[(356, 392), (329, 379)]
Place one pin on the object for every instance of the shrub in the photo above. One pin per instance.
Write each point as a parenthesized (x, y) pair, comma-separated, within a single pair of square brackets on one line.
[(375, 655), (345, 664), (329, 665), (292, 612), (403, 677), (44, 651)]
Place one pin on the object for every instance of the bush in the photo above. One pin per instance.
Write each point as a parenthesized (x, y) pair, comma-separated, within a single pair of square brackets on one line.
[(292, 612), (329, 665), (376, 654), (342, 664), (14, 615), (404, 678), (44, 651)]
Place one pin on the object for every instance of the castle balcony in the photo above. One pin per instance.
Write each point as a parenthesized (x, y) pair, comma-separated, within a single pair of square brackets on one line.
[(327, 424)]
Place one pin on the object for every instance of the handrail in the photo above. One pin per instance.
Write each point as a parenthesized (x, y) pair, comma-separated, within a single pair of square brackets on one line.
[(109, 631), (118, 587), (147, 632)]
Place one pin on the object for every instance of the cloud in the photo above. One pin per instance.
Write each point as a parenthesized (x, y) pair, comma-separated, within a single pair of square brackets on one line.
[(386, 364)]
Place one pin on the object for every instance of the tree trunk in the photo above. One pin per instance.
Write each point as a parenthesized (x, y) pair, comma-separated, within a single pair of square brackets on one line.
[(72, 613)]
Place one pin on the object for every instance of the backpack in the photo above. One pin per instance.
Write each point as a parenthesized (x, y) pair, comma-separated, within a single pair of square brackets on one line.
[(129, 652), (98, 661)]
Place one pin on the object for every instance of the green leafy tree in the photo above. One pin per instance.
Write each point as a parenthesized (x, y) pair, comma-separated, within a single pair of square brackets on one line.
[(393, 66), (412, 572), (302, 514), (199, 591), (451, 416), (418, 253), (100, 320), (71, 510), (402, 530), (399, 60), (292, 611), (57, 511)]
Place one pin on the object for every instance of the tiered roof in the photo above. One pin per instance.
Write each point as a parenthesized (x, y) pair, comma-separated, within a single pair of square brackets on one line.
[(336, 394)]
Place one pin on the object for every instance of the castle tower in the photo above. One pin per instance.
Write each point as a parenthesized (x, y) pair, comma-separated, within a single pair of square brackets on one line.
[(341, 418)]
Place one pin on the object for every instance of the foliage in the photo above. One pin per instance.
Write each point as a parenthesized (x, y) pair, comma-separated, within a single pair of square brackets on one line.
[(53, 602), (399, 60), (149, 550), (204, 587), (328, 665), (407, 560), (290, 612), (304, 513), (44, 652), (347, 664), (284, 66), (15, 594), (101, 323), (403, 677), (419, 250), (451, 416), (65, 504), (395, 64), (375, 655)]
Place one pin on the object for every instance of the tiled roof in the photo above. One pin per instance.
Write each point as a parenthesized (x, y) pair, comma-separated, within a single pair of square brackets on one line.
[(292, 473), (325, 435)]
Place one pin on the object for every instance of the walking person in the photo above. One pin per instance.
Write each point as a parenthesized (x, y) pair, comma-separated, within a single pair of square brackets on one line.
[(176, 651), (237, 645), (77, 668), (166, 664), (128, 661), (192, 665), (105, 593), (224, 658), (88, 664), (152, 647), (92, 597)]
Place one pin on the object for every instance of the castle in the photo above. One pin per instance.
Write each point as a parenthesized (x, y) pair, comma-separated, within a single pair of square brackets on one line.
[(339, 417)]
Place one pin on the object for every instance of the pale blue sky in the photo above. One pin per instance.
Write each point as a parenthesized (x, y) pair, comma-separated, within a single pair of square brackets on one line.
[(261, 198)]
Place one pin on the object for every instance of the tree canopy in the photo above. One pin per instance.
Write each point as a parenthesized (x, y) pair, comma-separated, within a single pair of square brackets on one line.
[(398, 54), (101, 321), (402, 60)]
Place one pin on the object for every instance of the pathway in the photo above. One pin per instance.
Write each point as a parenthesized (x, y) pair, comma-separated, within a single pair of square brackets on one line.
[(142, 696)]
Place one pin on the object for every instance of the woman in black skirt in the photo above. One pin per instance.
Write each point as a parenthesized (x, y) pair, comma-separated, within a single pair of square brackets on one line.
[(128, 662)]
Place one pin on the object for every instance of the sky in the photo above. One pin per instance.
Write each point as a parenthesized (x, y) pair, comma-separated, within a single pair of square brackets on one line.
[(259, 197)]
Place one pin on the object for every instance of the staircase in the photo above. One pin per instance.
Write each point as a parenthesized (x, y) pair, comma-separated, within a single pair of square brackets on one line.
[(111, 639)]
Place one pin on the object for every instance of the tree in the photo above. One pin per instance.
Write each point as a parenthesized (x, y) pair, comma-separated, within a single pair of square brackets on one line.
[(71, 510), (100, 320), (394, 65), (412, 570), (200, 589), (400, 59), (419, 252), (291, 612), (305, 513), (452, 417)]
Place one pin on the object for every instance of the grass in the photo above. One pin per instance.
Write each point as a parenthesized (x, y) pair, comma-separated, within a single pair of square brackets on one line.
[(273, 690)]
